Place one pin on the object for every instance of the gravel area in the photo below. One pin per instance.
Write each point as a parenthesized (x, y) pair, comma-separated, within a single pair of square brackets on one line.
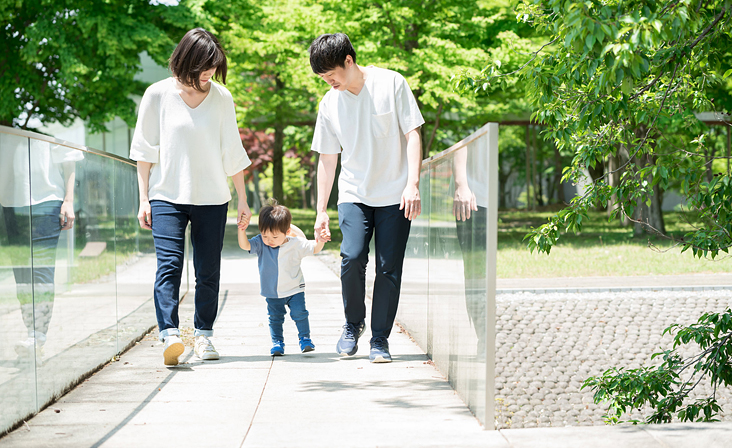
[(548, 344)]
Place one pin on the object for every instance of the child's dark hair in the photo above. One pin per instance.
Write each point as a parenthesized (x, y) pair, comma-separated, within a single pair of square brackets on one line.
[(198, 51), (274, 218), (329, 51)]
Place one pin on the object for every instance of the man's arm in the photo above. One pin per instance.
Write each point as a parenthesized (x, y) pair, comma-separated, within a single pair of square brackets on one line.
[(411, 203), (464, 201), (326, 174)]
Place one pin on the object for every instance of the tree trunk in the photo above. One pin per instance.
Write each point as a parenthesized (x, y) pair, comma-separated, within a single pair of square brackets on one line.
[(529, 202), (426, 151), (502, 183), (612, 180), (558, 175), (277, 163), (650, 219), (257, 202), (535, 173), (709, 159)]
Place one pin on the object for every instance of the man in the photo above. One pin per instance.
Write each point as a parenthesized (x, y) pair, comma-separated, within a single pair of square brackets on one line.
[(372, 115)]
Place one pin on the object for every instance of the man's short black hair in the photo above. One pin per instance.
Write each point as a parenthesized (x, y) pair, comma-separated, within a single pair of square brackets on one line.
[(329, 51), (198, 51)]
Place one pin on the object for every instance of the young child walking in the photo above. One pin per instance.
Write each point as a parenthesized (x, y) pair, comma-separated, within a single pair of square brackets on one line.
[(280, 247)]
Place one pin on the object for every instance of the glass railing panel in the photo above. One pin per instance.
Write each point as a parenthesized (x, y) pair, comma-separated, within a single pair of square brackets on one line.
[(78, 307), (76, 271), (471, 209), (453, 335), (135, 260), (17, 327), (413, 303), (457, 327)]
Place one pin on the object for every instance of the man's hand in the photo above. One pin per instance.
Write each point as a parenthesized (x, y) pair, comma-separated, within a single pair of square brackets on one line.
[(322, 227), (464, 203), (244, 214), (66, 216), (411, 203), (145, 215)]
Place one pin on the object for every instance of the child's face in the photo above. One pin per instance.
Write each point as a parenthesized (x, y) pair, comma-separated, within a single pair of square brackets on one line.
[(273, 238)]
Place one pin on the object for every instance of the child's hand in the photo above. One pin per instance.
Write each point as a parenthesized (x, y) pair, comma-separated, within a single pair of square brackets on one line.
[(322, 236), (243, 222)]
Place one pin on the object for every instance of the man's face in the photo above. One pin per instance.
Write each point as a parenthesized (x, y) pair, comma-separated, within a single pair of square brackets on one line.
[(339, 78)]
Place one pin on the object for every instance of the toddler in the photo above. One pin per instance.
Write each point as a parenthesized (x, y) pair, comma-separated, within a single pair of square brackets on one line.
[(280, 247)]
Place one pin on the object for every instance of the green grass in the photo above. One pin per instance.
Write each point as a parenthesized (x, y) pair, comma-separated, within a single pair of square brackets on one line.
[(602, 249)]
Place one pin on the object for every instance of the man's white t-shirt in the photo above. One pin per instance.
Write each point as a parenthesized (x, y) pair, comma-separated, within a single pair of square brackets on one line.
[(371, 129), (193, 151)]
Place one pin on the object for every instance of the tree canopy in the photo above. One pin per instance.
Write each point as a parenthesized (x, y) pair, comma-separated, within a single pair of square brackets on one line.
[(66, 59), (614, 79)]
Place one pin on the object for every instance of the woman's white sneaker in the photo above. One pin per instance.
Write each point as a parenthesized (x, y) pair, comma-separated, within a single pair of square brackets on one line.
[(173, 349), (204, 349)]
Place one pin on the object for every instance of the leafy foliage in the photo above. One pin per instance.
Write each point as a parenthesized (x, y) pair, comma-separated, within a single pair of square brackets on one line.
[(666, 388), (64, 59), (615, 79)]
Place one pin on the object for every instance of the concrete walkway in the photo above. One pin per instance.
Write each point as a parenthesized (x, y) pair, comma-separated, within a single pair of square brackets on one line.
[(250, 399)]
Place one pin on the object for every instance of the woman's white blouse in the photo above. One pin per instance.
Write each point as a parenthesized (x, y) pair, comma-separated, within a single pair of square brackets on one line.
[(193, 151)]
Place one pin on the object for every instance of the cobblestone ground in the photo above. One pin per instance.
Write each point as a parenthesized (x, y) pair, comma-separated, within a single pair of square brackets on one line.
[(548, 344)]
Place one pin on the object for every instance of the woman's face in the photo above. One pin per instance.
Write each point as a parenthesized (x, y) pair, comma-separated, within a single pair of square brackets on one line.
[(206, 76)]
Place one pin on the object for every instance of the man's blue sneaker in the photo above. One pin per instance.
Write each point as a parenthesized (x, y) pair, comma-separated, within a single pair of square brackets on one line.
[(348, 343), (278, 349), (380, 350), (306, 345)]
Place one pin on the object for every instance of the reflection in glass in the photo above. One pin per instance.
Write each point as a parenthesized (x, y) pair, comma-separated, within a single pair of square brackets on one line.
[(83, 333), (37, 199), (413, 309), (470, 211), (76, 273), (451, 281)]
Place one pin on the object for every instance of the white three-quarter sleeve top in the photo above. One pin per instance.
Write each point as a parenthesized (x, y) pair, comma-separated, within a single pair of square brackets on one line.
[(193, 151)]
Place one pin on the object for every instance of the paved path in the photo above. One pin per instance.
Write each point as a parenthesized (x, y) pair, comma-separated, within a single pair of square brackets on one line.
[(317, 400)]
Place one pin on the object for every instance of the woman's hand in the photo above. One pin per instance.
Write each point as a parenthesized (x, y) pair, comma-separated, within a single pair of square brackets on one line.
[(145, 215), (244, 215)]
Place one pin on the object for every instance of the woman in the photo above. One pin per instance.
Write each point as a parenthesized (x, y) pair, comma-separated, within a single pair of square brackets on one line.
[(186, 143)]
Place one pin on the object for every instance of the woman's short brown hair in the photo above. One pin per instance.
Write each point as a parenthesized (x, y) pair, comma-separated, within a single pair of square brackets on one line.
[(274, 218), (197, 52)]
